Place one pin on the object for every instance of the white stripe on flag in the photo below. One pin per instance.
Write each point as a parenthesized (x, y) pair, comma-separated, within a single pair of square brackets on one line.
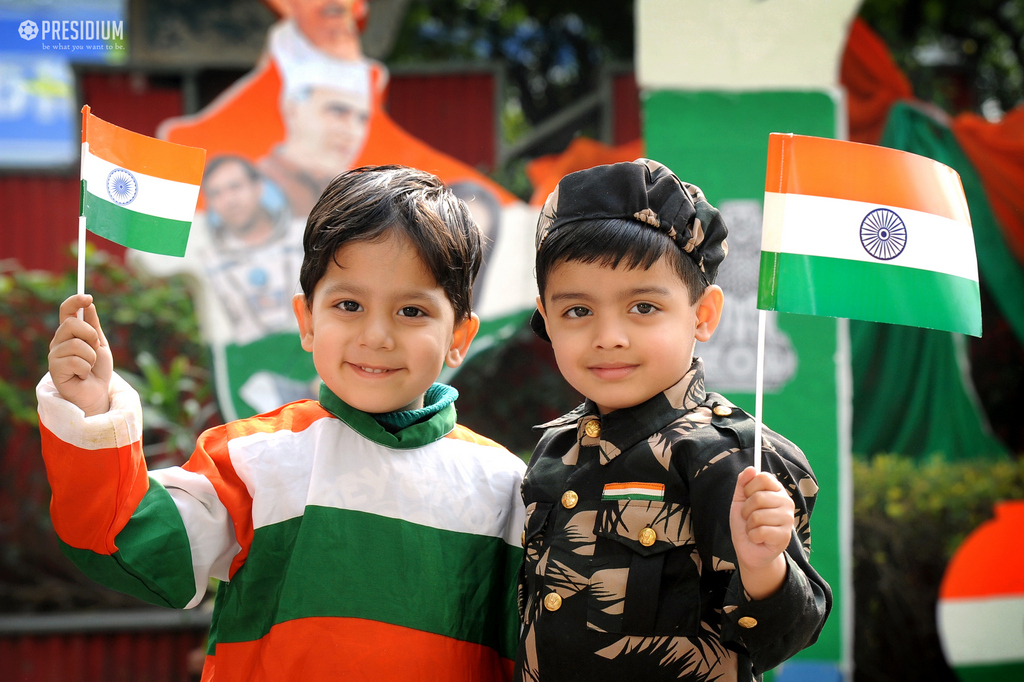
[(153, 196), (983, 630), (823, 226)]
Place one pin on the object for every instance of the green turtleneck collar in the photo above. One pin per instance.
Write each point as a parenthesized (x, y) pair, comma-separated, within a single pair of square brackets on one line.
[(412, 428)]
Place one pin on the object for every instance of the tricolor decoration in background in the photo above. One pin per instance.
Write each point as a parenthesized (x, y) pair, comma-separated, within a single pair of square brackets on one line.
[(980, 613), (136, 190), (868, 233)]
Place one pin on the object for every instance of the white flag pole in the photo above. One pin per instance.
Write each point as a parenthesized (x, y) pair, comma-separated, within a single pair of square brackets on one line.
[(762, 317), (81, 261), (86, 110)]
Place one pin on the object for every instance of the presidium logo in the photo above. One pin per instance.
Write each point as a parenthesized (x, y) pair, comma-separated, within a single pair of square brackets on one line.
[(74, 34)]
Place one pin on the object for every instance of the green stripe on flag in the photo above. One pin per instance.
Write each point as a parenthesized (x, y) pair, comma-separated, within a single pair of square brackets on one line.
[(859, 290), (135, 230), (153, 542), (343, 563)]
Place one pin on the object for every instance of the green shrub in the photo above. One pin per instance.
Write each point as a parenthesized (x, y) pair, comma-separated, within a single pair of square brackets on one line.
[(908, 520)]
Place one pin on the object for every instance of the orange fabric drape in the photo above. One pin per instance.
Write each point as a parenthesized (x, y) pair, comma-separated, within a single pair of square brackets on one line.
[(873, 83), (544, 172), (996, 151)]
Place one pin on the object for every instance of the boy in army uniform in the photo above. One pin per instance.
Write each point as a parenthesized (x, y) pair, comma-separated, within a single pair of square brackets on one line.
[(652, 549)]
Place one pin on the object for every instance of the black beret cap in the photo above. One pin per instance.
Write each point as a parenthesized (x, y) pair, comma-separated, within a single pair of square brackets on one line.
[(642, 190)]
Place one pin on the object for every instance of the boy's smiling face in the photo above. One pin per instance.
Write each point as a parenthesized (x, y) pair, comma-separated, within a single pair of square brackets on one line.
[(620, 335), (380, 327)]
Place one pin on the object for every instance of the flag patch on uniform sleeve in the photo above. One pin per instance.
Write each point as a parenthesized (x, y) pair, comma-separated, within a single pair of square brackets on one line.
[(634, 491)]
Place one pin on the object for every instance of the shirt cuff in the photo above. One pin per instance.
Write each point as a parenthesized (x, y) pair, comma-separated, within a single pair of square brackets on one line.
[(755, 622), (119, 426)]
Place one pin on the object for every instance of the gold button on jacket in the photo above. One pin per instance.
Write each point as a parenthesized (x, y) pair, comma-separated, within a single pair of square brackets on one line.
[(552, 602), (747, 622), (592, 428), (722, 410), (569, 499), (647, 536)]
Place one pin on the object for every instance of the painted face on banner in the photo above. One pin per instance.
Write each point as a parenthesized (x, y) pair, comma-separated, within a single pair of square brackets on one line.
[(233, 194), (328, 126), (330, 25)]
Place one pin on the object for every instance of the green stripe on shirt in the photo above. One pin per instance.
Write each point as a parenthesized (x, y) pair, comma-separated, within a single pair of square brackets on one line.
[(343, 563), (153, 561)]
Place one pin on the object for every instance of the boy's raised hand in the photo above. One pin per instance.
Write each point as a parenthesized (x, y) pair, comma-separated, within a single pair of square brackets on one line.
[(761, 520), (80, 362)]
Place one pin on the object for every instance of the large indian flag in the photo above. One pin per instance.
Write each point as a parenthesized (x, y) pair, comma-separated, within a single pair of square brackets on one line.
[(869, 233), (136, 190)]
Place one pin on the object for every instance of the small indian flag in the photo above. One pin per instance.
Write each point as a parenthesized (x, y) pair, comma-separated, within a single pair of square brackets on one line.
[(869, 233), (633, 491), (136, 190)]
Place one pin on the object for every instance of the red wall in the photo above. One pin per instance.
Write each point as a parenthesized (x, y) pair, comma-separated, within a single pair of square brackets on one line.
[(160, 656)]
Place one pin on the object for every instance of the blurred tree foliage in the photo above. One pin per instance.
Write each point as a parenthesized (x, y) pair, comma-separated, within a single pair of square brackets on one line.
[(552, 49), (962, 56)]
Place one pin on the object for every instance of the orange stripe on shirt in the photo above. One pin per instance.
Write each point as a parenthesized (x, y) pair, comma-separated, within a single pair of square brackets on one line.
[(462, 433), (817, 166), (143, 154), (328, 649), (92, 500)]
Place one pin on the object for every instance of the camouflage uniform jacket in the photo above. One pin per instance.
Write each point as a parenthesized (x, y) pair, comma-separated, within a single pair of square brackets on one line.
[(629, 568)]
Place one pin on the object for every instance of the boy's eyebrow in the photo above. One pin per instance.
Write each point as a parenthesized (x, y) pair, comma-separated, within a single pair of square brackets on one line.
[(356, 290), (631, 293)]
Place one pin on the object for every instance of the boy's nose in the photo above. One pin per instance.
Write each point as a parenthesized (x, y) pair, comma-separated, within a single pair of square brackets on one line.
[(610, 333), (376, 332)]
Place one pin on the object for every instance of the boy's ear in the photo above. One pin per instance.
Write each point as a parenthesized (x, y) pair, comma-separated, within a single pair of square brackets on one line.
[(304, 317), (464, 334), (709, 312)]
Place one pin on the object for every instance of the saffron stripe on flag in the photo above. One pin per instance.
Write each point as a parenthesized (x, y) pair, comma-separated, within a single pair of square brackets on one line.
[(143, 154), (817, 166), (151, 194), (836, 287)]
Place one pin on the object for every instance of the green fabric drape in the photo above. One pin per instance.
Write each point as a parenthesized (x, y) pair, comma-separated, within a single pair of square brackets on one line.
[(912, 388)]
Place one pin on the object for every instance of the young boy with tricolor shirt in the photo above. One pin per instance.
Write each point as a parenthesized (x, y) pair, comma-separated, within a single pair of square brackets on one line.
[(653, 550), (364, 536)]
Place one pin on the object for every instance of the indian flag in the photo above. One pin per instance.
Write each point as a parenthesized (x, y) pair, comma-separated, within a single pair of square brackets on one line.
[(980, 612), (633, 491), (136, 190), (869, 233)]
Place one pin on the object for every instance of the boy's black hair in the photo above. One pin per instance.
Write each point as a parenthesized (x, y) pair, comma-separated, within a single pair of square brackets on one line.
[(614, 241), (369, 203)]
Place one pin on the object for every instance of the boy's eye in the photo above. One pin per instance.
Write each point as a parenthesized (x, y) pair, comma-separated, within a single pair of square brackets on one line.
[(350, 306), (577, 311), (411, 311), (643, 308)]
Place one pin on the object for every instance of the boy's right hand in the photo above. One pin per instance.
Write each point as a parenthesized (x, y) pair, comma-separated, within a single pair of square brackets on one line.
[(80, 362)]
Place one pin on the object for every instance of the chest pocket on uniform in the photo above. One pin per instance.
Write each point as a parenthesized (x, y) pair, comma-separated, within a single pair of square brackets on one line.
[(533, 567), (646, 579)]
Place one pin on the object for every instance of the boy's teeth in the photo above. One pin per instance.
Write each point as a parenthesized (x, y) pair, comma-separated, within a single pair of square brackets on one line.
[(372, 371)]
